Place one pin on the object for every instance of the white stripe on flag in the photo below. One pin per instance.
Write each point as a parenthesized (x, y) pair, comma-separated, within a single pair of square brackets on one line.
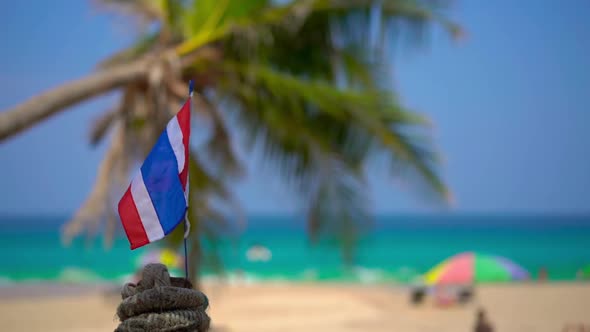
[(175, 137), (146, 210)]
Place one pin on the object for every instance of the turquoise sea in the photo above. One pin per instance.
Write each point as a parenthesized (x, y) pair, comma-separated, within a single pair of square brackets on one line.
[(396, 249)]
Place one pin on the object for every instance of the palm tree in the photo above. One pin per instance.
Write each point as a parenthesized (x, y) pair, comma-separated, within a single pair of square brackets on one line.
[(305, 81)]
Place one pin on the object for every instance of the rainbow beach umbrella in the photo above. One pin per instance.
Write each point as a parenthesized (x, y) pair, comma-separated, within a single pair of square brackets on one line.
[(470, 268)]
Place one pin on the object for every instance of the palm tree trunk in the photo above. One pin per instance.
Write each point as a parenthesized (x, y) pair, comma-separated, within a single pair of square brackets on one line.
[(38, 108)]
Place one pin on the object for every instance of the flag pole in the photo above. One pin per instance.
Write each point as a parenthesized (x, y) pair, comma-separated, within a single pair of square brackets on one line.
[(185, 254), (191, 87)]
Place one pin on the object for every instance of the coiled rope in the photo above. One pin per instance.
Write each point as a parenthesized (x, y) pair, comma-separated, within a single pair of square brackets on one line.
[(161, 303)]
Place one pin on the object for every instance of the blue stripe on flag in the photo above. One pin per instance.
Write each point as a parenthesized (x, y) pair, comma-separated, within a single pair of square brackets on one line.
[(160, 175)]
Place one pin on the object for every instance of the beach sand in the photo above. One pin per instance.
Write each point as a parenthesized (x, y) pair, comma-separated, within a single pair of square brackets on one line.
[(310, 307)]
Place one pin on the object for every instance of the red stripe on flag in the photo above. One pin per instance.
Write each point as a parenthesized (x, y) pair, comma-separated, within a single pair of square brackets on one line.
[(131, 221), (184, 120)]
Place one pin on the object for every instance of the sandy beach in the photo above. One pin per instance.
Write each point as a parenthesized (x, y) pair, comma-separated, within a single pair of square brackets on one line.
[(312, 307)]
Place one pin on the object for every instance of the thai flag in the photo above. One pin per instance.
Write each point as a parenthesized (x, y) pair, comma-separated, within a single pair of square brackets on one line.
[(157, 198)]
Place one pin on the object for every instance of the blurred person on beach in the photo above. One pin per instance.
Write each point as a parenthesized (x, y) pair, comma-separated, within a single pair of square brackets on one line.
[(417, 294), (465, 294), (481, 323), (445, 296), (543, 274)]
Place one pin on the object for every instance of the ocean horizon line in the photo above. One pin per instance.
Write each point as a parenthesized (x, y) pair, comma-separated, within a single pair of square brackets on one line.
[(378, 222), (499, 214)]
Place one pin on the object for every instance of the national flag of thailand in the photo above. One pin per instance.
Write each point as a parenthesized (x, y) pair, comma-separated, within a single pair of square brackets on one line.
[(157, 198)]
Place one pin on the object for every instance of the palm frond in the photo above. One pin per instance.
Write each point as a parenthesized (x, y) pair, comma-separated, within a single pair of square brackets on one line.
[(310, 130), (93, 210), (293, 98), (102, 125), (219, 149)]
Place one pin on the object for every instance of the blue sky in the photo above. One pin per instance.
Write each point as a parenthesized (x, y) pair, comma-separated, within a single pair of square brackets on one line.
[(510, 104)]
